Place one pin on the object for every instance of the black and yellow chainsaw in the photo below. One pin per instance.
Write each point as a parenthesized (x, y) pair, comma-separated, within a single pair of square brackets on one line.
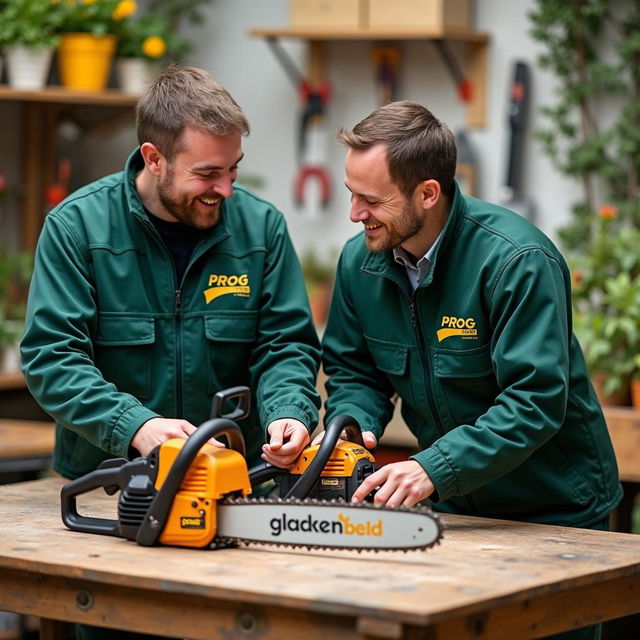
[(190, 493)]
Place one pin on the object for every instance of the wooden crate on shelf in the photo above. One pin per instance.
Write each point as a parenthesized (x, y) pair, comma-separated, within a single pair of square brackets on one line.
[(415, 14), (339, 14)]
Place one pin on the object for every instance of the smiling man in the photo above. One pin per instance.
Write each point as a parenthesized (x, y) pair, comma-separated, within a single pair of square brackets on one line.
[(159, 286), (463, 310)]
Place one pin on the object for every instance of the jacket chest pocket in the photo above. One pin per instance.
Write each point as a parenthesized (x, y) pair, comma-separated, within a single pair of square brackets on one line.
[(123, 353), (464, 383), (230, 343), (392, 359)]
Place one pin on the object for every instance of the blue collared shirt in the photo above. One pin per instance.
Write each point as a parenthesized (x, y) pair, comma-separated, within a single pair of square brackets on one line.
[(416, 272)]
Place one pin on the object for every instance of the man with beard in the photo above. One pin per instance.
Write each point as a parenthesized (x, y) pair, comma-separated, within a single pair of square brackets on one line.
[(159, 286), (462, 309)]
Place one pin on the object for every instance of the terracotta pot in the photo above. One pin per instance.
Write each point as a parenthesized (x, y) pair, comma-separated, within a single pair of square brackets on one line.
[(635, 393), (617, 398), (319, 301)]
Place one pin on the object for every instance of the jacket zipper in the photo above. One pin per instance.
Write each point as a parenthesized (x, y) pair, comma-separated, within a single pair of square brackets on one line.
[(425, 362), (177, 312)]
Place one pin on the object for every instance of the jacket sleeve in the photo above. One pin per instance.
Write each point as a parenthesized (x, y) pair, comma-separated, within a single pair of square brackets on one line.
[(57, 350), (529, 307), (355, 386), (285, 360)]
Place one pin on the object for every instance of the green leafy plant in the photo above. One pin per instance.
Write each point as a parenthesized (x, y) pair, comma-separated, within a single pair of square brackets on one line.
[(30, 23), (592, 134), (146, 36), (99, 17), (15, 274), (178, 14), (316, 271)]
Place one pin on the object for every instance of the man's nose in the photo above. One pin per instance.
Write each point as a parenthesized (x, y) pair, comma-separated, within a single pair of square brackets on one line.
[(224, 187), (358, 212)]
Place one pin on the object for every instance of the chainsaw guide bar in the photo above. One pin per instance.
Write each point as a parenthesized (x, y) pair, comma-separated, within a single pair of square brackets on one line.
[(316, 524)]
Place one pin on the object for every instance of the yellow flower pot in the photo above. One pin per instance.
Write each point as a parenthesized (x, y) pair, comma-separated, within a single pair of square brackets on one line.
[(84, 60)]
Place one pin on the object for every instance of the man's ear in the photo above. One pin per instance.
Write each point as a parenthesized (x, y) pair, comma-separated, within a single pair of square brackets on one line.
[(430, 193), (153, 159)]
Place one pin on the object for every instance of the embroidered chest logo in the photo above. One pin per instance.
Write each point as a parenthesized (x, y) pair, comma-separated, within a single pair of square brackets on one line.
[(454, 326), (222, 285)]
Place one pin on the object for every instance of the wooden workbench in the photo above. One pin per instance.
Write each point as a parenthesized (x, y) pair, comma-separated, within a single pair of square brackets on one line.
[(488, 579), (26, 445)]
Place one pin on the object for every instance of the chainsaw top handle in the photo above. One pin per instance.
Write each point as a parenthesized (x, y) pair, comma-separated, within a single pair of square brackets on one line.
[(241, 409)]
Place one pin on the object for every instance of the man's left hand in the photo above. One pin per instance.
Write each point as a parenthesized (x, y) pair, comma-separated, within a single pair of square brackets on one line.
[(401, 483), (288, 437)]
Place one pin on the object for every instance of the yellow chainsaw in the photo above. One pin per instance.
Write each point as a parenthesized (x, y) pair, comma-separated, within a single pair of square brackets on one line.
[(189, 493)]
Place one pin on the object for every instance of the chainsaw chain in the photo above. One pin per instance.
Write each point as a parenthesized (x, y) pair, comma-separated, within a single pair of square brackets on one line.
[(232, 542)]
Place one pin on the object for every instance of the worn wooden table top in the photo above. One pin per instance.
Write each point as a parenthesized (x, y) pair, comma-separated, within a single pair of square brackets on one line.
[(26, 438), (480, 568)]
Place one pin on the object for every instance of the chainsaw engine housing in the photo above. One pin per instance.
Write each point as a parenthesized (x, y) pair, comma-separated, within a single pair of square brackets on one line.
[(349, 464)]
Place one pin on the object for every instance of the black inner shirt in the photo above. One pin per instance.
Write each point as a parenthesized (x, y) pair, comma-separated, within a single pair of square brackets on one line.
[(179, 238)]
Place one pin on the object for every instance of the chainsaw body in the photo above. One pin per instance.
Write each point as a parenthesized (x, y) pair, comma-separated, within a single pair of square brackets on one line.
[(190, 493), (170, 496)]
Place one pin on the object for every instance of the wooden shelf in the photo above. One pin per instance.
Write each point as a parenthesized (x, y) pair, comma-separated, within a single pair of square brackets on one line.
[(60, 95), (477, 53), (12, 380), (460, 35), (624, 428), (40, 110)]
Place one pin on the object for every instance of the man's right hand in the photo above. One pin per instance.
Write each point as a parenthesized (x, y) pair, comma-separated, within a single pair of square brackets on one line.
[(158, 430)]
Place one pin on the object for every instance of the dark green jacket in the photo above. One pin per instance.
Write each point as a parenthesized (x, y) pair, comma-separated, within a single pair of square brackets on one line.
[(112, 339), (492, 380)]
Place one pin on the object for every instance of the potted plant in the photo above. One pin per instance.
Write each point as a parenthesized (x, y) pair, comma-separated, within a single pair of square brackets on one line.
[(142, 42), (635, 382), (15, 275), (88, 40), (28, 37), (606, 300), (319, 277), (593, 50)]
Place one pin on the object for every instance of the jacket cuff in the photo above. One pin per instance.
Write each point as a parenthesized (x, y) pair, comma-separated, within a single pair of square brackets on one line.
[(126, 426), (440, 471), (291, 411)]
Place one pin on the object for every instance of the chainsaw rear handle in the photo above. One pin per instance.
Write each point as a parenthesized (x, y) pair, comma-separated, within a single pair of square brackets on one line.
[(106, 477), (115, 474), (242, 407), (158, 511)]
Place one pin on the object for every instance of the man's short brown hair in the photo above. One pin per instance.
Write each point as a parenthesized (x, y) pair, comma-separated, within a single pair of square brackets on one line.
[(418, 146), (182, 97)]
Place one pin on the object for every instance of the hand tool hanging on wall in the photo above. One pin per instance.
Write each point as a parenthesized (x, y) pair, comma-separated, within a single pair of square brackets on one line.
[(463, 85), (310, 152), (57, 191), (513, 197), (386, 60)]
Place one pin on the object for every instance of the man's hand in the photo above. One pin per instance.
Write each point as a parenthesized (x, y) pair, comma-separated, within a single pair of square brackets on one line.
[(401, 483), (369, 439), (288, 437), (158, 430)]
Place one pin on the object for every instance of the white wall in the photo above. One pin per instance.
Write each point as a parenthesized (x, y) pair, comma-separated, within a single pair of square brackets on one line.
[(250, 71), (253, 75)]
